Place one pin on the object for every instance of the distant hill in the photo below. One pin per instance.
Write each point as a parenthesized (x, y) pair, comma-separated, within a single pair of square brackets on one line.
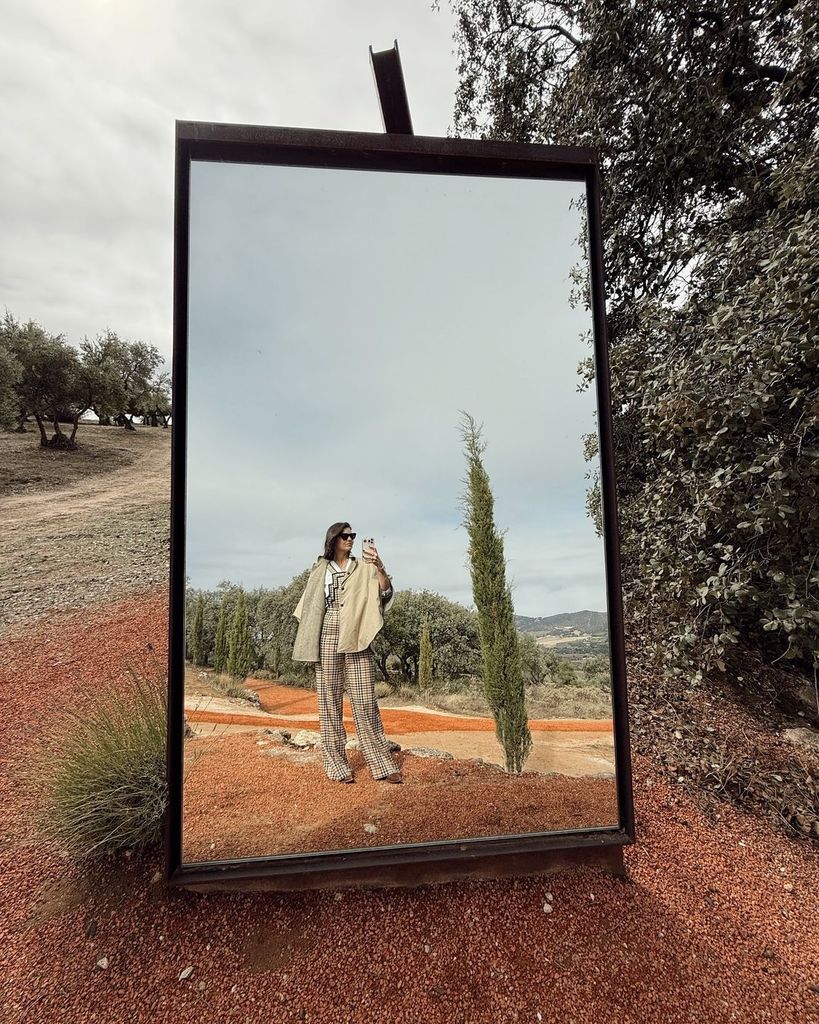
[(586, 621)]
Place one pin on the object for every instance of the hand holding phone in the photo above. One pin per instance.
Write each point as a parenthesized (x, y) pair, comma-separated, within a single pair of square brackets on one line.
[(368, 551)]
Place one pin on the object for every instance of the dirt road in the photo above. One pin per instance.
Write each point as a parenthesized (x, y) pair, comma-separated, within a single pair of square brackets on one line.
[(97, 538)]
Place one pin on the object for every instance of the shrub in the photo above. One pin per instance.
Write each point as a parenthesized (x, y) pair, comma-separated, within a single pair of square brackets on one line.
[(303, 682), (101, 776), (231, 687), (383, 689)]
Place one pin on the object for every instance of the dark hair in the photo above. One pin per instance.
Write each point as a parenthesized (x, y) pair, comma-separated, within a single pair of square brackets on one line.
[(330, 539)]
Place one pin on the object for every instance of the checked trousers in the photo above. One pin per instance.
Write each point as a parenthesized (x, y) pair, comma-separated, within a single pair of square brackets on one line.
[(358, 671)]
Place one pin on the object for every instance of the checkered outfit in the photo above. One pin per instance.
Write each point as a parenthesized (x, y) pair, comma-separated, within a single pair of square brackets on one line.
[(358, 670)]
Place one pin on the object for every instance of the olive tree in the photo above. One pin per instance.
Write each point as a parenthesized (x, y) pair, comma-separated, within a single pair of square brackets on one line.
[(705, 119)]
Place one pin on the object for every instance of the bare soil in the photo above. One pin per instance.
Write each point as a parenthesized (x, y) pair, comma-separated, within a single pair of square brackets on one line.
[(26, 468), (82, 526)]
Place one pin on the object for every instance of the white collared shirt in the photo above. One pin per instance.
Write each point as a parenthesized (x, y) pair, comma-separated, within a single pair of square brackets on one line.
[(328, 576), (334, 567)]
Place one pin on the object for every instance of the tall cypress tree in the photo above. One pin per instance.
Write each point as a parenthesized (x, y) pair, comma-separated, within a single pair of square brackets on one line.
[(502, 673), (240, 645), (425, 657), (220, 649), (198, 631)]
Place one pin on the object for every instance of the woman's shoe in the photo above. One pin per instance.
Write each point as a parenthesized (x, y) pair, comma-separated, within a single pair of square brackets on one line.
[(395, 777), (348, 779)]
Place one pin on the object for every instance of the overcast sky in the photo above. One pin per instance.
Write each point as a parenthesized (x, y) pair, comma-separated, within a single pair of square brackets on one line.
[(91, 91), (339, 321)]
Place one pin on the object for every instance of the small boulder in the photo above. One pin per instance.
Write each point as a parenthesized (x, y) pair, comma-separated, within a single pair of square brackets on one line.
[(278, 735), (444, 755), (305, 738)]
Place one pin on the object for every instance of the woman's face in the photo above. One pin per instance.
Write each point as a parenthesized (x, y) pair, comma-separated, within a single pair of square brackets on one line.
[(344, 546)]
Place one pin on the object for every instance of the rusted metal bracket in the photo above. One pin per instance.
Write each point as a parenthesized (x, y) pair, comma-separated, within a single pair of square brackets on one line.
[(392, 93)]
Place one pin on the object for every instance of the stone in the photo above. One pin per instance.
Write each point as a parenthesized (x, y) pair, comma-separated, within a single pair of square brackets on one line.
[(803, 737), (278, 735), (305, 738), (430, 752)]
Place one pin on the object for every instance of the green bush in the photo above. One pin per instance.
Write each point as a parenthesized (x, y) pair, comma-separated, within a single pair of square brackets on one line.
[(383, 689), (101, 776), (232, 687)]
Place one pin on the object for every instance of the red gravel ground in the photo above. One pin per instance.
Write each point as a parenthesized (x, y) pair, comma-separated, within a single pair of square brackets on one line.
[(241, 802), (716, 922)]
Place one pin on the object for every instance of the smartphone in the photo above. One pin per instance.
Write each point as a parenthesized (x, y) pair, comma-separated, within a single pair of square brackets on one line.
[(367, 547)]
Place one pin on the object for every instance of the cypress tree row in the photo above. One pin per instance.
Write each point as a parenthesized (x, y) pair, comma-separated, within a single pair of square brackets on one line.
[(198, 632), (240, 646), (502, 672), (425, 657), (220, 648)]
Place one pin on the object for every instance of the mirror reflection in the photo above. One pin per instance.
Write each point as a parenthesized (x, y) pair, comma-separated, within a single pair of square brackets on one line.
[(396, 615)]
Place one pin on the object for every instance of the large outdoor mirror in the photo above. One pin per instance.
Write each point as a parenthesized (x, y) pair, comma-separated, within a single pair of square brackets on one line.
[(403, 341)]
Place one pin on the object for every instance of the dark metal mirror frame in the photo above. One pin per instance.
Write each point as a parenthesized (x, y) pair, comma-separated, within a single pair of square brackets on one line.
[(412, 863)]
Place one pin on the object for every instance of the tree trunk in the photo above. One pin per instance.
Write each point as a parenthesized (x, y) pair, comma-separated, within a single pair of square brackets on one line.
[(43, 435)]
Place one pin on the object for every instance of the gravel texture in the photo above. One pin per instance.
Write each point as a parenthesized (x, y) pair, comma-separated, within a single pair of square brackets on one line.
[(243, 799), (715, 922), (98, 537)]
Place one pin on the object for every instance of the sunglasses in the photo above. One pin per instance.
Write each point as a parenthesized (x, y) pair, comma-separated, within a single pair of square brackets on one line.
[(347, 536)]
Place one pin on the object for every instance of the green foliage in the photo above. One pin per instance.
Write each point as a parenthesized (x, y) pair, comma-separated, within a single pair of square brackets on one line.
[(533, 662), (706, 124), (231, 687), (275, 627), (240, 659), (41, 375), (48, 377), (453, 636), (220, 649), (198, 640), (502, 675), (10, 371), (123, 376), (425, 657), (100, 781)]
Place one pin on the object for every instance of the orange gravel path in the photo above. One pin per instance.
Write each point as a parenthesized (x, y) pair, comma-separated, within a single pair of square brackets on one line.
[(288, 700)]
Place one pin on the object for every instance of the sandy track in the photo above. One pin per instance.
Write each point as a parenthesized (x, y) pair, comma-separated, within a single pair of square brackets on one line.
[(97, 539), (93, 495)]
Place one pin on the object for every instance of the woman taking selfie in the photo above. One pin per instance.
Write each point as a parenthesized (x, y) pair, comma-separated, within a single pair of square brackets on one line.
[(340, 613)]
